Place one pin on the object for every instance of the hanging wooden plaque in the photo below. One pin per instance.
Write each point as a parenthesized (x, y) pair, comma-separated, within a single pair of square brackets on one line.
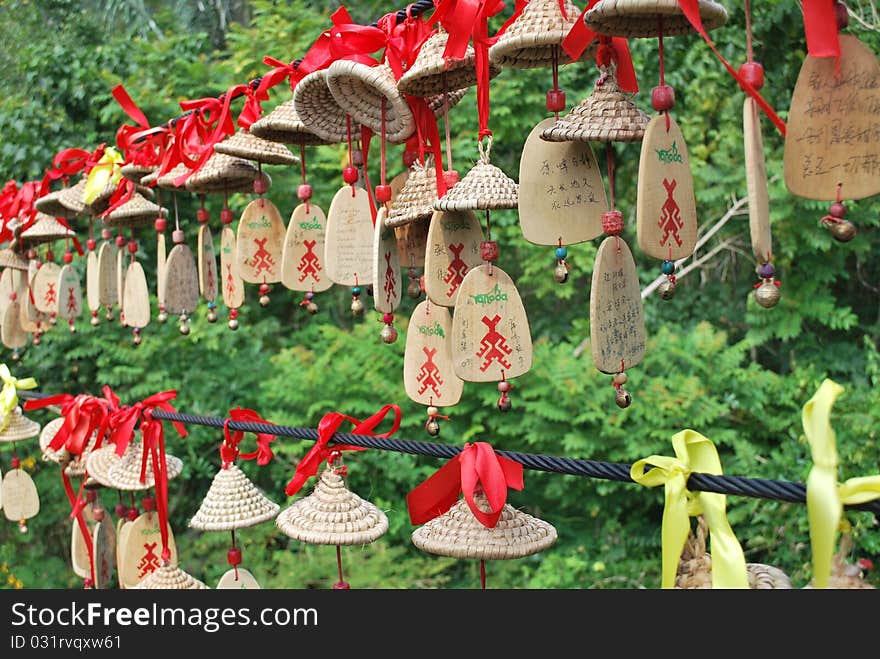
[(348, 245), (756, 182), (617, 329), (104, 552), (302, 259), (666, 212), (233, 286), (181, 281), (13, 333), (79, 550), (396, 184), (207, 265), (490, 330), (108, 294), (453, 248), (136, 297), (121, 269), (45, 288), (831, 133), (259, 242), (161, 256), (69, 293), (238, 580), (142, 550), (428, 375), (20, 497), (387, 282), (123, 526), (412, 239), (561, 192), (7, 288), (93, 284), (30, 319)]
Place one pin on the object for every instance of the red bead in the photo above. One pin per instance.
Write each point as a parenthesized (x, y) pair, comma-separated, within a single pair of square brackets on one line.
[(106, 233), (149, 503), (752, 73), (68, 257), (15, 462), (260, 186), (341, 585), (13, 296), (264, 289), (32, 254), (177, 236), (450, 177), (121, 509), (202, 215), (98, 514), (233, 313), (357, 157), (350, 175), (91, 244), (120, 241), (387, 318), (91, 496), (612, 222), (383, 193), (132, 514), (409, 157), (503, 386), (841, 15), (488, 250), (556, 100), (226, 216), (87, 583), (662, 98), (50, 255), (233, 556), (132, 246), (160, 224), (837, 210), (304, 192)]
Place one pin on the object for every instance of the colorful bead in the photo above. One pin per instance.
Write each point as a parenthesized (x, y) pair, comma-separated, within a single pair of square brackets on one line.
[(260, 186), (766, 271), (837, 209), (488, 250), (667, 268), (226, 216), (350, 175), (304, 192), (752, 73), (383, 193), (355, 290), (202, 215), (91, 244), (233, 556), (662, 98), (556, 100), (612, 222), (68, 257), (160, 224), (561, 253)]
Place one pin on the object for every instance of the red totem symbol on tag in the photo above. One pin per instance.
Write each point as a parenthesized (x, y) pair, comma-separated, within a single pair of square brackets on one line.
[(71, 302), (209, 274), (149, 561), (670, 218), (390, 285), (308, 264), (50, 297), (493, 346), (429, 374), (230, 280), (457, 269), (262, 258)]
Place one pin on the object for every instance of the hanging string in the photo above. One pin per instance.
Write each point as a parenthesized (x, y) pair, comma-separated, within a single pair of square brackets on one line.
[(446, 123), (382, 145), (749, 54), (176, 217), (609, 151), (662, 63), (350, 161), (555, 67), (302, 166)]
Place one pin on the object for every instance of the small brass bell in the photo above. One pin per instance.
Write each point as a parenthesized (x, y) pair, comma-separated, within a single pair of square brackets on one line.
[(767, 294)]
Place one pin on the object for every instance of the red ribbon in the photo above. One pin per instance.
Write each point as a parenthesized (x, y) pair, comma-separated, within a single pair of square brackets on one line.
[(820, 28), (140, 144), (124, 420), (308, 466), (154, 448), (476, 469), (404, 39), (77, 503), (614, 49), (122, 195), (229, 448), (83, 415)]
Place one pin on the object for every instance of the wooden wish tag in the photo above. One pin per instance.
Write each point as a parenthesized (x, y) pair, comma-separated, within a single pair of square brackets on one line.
[(561, 192), (79, 550), (108, 294), (666, 212), (259, 243), (30, 319), (490, 330), (104, 552), (121, 270), (831, 134), (123, 526), (181, 282), (20, 498), (136, 299), (412, 239), (428, 374), (302, 258), (207, 265), (13, 334), (93, 284), (233, 286), (348, 245), (45, 288), (386, 278), (453, 248), (238, 579), (756, 182), (141, 552), (7, 288), (69, 295)]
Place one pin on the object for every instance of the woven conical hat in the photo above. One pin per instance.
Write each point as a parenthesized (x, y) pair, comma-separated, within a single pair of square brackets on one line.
[(426, 75), (319, 111), (102, 202), (126, 473), (283, 125), (484, 187), (136, 173), (47, 434), (332, 515), (531, 39), (641, 18), (51, 205), (459, 534), (99, 462), (232, 502), (45, 229), (136, 212), (245, 144), (12, 259), (72, 197), (606, 115), (359, 89), (170, 577), (437, 104), (167, 179), (18, 427), (415, 200), (222, 173)]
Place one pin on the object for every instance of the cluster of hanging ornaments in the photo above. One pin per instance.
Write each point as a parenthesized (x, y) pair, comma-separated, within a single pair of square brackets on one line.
[(18, 494)]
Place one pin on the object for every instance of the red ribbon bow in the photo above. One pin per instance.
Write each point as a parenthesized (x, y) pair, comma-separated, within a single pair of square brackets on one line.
[(229, 448), (614, 49), (476, 469), (124, 420), (83, 415), (308, 466), (140, 144)]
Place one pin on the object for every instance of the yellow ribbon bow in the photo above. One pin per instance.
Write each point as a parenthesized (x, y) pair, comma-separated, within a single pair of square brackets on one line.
[(825, 498), (107, 171), (693, 452), (9, 393)]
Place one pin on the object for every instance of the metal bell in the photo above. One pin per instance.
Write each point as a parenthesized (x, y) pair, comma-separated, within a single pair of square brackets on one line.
[(623, 399), (432, 427), (767, 294), (843, 231), (389, 334), (560, 274), (357, 307), (162, 317), (666, 290)]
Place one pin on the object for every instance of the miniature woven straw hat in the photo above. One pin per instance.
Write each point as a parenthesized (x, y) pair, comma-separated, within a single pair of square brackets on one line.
[(641, 18), (136, 173), (222, 173), (359, 89), (606, 115), (19, 427), (245, 144), (459, 534), (530, 41), (125, 474), (102, 202), (439, 103), (284, 125), (47, 434), (136, 212), (430, 74), (12, 259), (99, 462), (233, 502), (170, 577), (318, 109), (484, 187), (843, 575), (45, 229), (72, 198), (332, 515), (415, 200), (51, 205), (167, 179)]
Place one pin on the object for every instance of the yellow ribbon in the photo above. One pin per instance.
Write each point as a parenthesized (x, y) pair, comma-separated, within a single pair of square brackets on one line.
[(9, 393), (693, 452), (107, 171), (825, 498)]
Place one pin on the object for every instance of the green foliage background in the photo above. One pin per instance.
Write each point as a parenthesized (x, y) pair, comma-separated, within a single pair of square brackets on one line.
[(716, 362)]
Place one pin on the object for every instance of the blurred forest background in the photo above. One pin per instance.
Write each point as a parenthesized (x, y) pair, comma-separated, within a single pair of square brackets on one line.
[(716, 361)]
